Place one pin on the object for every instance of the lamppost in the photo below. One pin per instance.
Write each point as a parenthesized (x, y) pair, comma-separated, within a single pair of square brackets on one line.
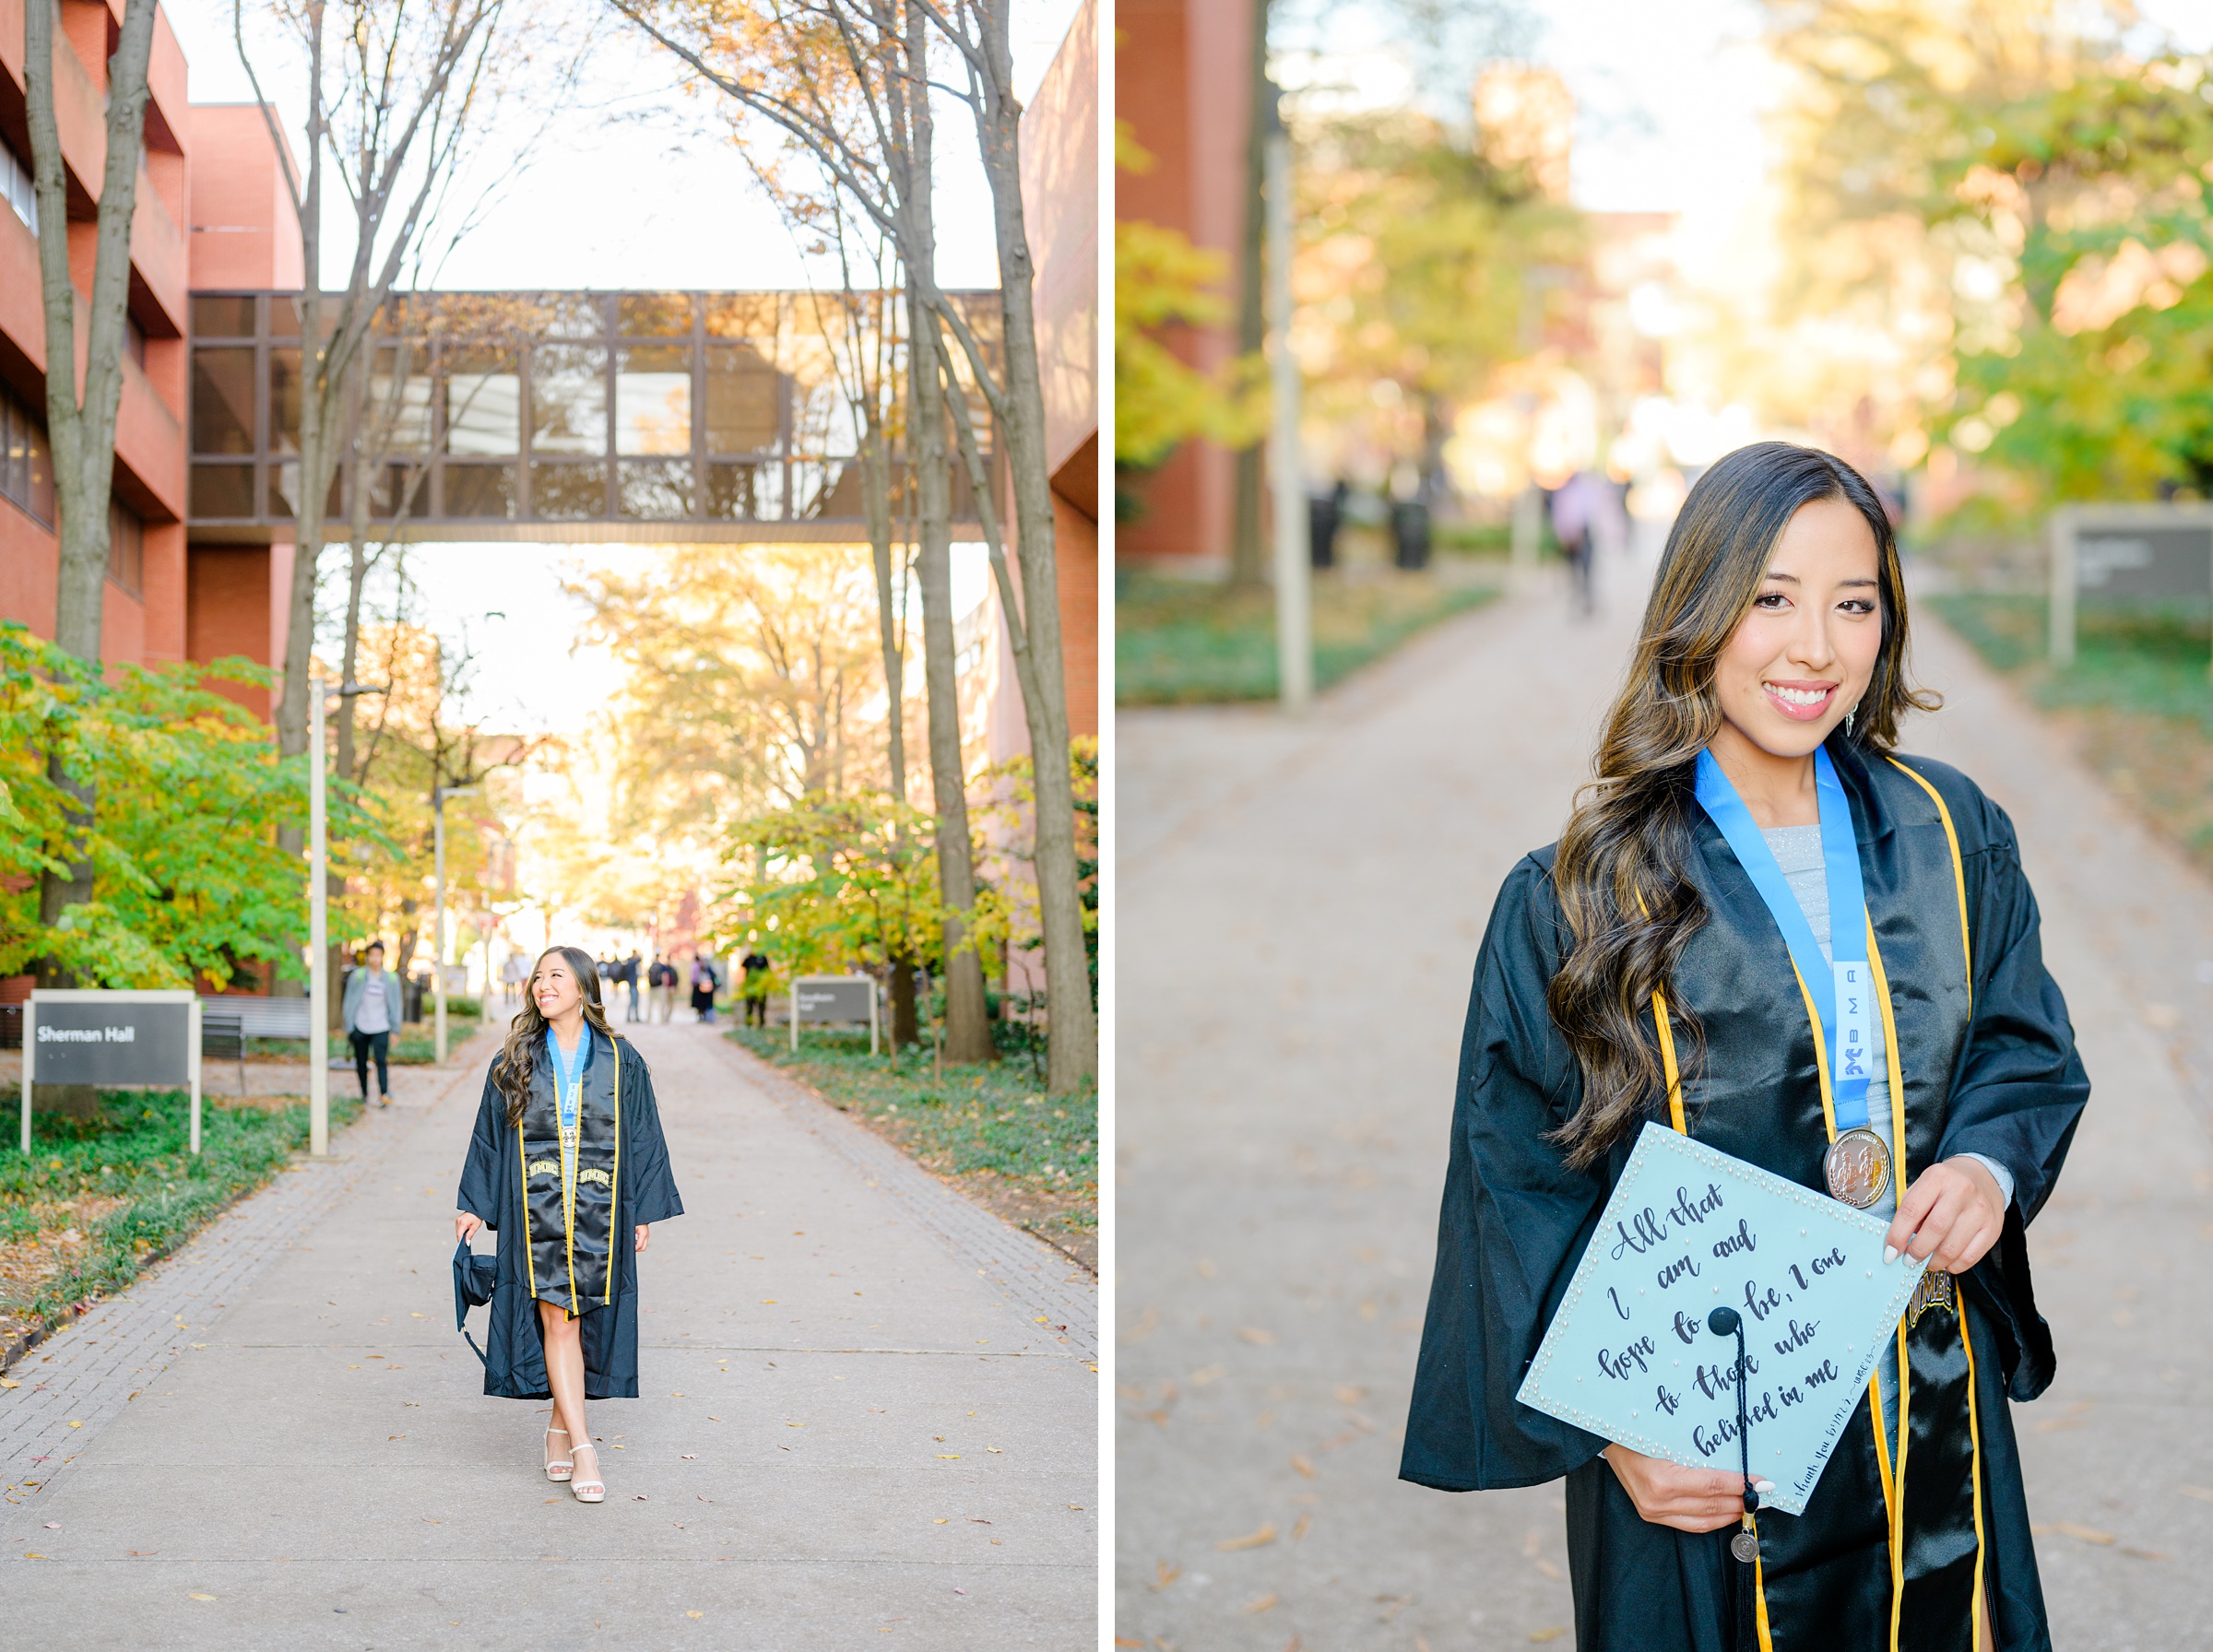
[(318, 917), (1294, 557), (439, 794)]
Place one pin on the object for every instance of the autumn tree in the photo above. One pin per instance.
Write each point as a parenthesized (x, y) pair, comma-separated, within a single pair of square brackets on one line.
[(400, 100), (848, 82), (752, 680), (1421, 251), (186, 877), (834, 883), (80, 424), (417, 736), (2014, 190)]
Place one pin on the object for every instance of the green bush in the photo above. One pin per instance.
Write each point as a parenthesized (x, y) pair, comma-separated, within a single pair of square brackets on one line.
[(1177, 642), (992, 1117), (137, 1150)]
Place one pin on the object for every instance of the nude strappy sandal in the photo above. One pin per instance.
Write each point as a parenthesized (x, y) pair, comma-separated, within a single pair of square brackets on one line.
[(558, 1470), (591, 1489)]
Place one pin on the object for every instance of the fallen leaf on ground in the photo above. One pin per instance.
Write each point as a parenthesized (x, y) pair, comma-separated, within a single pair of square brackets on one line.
[(695, 1614), (1553, 1633), (1305, 1523), (1254, 1608), (54, 1525), (2146, 1555), (201, 1597), (1304, 1464), (1165, 1577), (75, 1423), (1251, 1540), (691, 1455), (1257, 1337), (1393, 1605), (2082, 1534), (637, 1496), (1550, 1570), (2201, 1493), (9, 1382), (1208, 1374)]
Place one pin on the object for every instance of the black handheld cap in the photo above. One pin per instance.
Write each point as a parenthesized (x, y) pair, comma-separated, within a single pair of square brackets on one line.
[(1723, 1322)]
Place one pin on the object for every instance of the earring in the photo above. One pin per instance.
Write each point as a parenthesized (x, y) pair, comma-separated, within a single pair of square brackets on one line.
[(1848, 718)]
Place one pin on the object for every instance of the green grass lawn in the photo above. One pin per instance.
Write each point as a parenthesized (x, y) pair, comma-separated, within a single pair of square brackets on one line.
[(98, 1200), (2138, 699), (1179, 641), (991, 1130)]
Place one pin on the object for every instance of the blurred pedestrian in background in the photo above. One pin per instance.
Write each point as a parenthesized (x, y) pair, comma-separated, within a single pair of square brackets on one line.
[(1586, 515), (756, 966), (703, 990), (630, 970), (371, 1010), (661, 977)]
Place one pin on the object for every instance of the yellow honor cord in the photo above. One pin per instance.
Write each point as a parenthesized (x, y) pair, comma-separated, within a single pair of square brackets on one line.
[(1893, 1479)]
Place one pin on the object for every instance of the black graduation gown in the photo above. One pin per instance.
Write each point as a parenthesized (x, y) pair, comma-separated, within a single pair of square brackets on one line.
[(1999, 1077), (491, 1187)]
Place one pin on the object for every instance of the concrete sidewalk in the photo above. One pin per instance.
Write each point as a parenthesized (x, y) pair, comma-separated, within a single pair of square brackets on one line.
[(1301, 905), (867, 1413)]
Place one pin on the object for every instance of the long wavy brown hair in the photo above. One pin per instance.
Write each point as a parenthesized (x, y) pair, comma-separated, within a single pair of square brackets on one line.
[(517, 1059), (1620, 868)]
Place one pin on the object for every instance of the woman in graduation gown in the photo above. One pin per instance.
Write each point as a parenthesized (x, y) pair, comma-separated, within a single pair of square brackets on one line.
[(1635, 971), (568, 1166)]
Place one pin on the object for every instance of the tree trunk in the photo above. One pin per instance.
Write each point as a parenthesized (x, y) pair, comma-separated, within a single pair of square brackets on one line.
[(81, 432), (906, 1027), (1072, 1048), (876, 500), (967, 1033), (1249, 543)]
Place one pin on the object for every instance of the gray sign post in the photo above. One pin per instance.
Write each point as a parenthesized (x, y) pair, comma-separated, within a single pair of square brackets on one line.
[(2125, 551), (77, 1036), (833, 999)]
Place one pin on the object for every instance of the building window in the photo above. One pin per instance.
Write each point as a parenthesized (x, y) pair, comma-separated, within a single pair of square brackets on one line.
[(223, 400), (568, 399), (15, 186), (25, 462), (126, 547)]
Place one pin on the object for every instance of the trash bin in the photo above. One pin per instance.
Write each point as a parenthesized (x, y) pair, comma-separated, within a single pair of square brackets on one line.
[(1322, 517), (1410, 533), (411, 994)]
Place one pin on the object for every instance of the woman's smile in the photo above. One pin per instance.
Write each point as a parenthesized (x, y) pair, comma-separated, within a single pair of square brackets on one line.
[(1802, 701)]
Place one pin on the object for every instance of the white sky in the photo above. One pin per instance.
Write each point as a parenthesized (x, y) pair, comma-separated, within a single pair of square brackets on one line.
[(641, 190)]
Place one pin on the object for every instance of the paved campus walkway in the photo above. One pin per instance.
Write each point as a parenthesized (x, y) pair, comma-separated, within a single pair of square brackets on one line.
[(870, 1413), (1301, 906)]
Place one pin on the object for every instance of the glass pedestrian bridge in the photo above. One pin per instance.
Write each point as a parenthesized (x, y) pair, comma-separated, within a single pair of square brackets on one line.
[(644, 416)]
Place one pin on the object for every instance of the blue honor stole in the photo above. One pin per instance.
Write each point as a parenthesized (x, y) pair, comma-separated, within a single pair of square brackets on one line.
[(1839, 988)]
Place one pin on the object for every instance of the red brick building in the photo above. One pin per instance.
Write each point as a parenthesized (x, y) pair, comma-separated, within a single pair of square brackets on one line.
[(1183, 82)]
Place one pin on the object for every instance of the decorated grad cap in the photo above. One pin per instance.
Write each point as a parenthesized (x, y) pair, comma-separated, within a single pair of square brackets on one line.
[(474, 1278)]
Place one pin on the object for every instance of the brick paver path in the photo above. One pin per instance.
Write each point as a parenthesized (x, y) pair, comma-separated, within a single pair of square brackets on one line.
[(1300, 908), (870, 1411)]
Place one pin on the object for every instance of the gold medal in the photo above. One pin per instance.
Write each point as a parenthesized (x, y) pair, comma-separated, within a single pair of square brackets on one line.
[(1857, 1167)]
